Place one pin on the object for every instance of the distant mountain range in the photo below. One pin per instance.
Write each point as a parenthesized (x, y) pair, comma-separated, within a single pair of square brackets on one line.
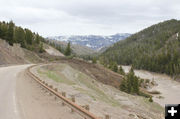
[(95, 42)]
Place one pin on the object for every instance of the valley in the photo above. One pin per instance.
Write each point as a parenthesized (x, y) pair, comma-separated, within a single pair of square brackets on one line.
[(121, 76), (166, 85)]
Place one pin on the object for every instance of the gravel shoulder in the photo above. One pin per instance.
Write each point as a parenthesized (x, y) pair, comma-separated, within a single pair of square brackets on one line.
[(35, 103)]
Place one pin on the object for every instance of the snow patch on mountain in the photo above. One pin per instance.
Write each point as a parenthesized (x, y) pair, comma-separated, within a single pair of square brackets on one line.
[(95, 42)]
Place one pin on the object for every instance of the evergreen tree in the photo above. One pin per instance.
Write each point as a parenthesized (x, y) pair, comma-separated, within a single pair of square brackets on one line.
[(130, 84), (136, 85), (29, 36), (121, 71), (0, 30), (94, 60), (10, 33), (37, 39), (150, 99), (68, 50), (115, 67), (58, 48), (4, 30), (41, 50), (19, 36), (123, 86)]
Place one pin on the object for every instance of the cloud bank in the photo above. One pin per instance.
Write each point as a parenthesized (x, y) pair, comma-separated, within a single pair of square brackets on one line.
[(84, 17)]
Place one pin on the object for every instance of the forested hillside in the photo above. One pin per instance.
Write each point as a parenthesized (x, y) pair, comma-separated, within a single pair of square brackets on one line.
[(25, 37), (156, 48)]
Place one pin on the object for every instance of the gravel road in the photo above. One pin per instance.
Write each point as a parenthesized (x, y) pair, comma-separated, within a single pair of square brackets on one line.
[(8, 100)]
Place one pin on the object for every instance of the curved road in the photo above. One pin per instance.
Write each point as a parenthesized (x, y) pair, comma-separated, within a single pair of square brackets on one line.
[(8, 103)]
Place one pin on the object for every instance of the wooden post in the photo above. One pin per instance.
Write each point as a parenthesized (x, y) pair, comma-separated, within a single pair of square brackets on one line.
[(107, 117), (50, 86), (73, 98), (63, 103), (87, 107), (56, 89), (55, 98), (64, 94)]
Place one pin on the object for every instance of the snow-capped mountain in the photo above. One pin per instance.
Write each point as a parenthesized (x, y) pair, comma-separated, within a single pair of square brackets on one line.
[(95, 42)]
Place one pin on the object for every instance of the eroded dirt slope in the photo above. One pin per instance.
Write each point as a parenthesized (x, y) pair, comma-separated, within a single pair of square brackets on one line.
[(16, 55), (103, 99)]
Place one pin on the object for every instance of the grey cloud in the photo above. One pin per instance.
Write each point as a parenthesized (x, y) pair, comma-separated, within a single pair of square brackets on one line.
[(56, 17)]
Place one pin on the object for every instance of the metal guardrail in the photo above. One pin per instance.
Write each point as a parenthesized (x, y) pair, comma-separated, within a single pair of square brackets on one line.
[(84, 113)]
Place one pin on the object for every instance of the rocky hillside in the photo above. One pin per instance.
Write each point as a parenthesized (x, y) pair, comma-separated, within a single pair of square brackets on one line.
[(16, 55)]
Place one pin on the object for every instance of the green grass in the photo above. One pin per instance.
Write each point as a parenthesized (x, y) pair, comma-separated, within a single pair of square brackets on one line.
[(83, 79), (52, 75), (152, 105)]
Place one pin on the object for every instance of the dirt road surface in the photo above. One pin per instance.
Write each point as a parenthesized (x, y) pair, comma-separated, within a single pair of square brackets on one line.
[(8, 105), (22, 98)]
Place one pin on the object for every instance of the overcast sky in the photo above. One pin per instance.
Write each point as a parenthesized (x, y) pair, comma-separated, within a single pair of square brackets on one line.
[(83, 17)]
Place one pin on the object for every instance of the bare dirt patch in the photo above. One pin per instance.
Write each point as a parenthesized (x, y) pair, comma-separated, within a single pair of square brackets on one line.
[(95, 71)]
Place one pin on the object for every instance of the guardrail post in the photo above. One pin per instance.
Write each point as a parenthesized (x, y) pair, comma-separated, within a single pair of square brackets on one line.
[(63, 103), (64, 94), (73, 99), (50, 86), (107, 117), (87, 107), (55, 89)]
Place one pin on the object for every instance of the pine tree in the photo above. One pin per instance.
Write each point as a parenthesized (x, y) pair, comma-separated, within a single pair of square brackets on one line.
[(68, 50), (150, 99), (10, 33), (123, 86), (37, 39), (115, 67), (121, 71), (131, 84), (19, 36), (4, 30), (41, 49), (0, 30), (94, 60), (131, 70), (136, 85), (29, 36)]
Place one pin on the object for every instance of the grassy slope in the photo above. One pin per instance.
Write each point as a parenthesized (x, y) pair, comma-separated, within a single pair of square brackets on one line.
[(66, 75)]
